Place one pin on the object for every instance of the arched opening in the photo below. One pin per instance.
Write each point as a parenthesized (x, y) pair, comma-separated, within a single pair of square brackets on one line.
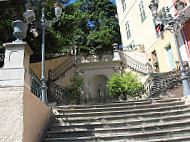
[(99, 89)]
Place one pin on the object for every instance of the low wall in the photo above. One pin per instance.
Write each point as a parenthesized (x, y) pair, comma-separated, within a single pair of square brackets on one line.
[(23, 117), (11, 114), (36, 117)]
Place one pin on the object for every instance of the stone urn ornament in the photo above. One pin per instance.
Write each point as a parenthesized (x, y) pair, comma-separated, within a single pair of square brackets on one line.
[(20, 29)]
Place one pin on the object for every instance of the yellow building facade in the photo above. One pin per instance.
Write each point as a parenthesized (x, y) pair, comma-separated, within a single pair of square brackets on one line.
[(137, 26)]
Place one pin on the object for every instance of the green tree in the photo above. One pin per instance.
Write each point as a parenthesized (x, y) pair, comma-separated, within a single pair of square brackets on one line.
[(131, 84), (74, 89), (126, 84), (115, 86), (89, 24), (103, 28), (12, 10)]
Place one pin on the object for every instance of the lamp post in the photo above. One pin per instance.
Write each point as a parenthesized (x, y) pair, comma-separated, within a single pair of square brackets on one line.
[(29, 16), (171, 22)]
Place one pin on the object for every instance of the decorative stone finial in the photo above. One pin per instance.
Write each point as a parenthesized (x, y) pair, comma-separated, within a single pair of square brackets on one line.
[(20, 29)]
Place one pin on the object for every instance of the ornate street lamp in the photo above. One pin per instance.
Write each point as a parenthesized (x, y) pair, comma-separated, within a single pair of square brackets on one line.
[(180, 5), (171, 22), (153, 7), (29, 17)]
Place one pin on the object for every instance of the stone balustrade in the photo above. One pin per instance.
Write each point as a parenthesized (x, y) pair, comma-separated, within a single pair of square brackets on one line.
[(105, 57), (60, 70), (158, 83), (135, 65)]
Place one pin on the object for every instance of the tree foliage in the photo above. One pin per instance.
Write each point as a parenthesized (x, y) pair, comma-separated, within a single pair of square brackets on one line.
[(12, 10), (89, 24), (127, 84), (115, 86), (74, 89), (9, 11)]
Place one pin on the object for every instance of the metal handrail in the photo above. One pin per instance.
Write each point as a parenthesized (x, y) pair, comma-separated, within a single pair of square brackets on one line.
[(36, 84)]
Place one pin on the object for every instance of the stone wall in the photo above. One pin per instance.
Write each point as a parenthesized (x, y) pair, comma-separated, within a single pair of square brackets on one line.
[(23, 117), (11, 114), (49, 64), (36, 117)]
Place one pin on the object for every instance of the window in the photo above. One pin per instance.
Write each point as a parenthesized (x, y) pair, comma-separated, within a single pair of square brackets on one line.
[(123, 4), (155, 61), (128, 30), (142, 11), (170, 57), (162, 14)]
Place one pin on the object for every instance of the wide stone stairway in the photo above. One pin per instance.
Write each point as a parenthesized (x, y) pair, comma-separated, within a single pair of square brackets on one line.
[(153, 120)]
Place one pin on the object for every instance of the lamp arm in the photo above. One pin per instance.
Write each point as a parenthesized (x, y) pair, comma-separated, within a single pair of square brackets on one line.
[(50, 22), (163, 20)]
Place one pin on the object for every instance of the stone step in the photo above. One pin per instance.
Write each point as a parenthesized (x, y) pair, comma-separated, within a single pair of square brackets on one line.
[(121, 118), (109, 109), (138, 137), (127, 130), (122, 124), (97, 115), (115, 104), (174, 139), (138, 121), (159, 135)]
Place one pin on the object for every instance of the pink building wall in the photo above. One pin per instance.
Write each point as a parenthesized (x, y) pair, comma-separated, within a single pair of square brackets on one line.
[(186, 39)]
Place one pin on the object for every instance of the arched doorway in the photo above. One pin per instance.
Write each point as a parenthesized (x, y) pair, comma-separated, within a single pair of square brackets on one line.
[(99, 89)]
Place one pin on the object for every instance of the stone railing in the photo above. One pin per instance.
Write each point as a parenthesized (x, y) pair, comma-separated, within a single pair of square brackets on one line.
[(148, 84), (61, 95), (159, 83), (104, 57), (35, 84), (134, 47), (135, 65), (38, 57), (60, 70), (57, 93)]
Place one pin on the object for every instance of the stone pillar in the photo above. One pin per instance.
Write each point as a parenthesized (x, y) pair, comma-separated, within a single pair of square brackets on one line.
[(15, 72), (118, 69)]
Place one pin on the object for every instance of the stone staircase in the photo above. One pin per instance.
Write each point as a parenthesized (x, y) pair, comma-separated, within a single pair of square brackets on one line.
[(153, 120)]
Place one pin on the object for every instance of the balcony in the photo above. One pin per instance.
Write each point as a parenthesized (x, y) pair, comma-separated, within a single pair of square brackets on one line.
[(134, 47)]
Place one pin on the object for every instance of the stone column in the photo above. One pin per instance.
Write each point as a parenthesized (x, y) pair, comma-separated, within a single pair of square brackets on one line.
[(15, 72), (118, 69)]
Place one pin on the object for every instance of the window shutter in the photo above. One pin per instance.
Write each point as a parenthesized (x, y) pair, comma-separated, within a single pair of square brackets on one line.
[(123, 4), (142, 11), (128, 30)]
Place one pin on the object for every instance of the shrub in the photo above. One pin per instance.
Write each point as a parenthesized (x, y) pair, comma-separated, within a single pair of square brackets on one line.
[(74, 90), (115, 86), (131, 85), (126, 84)]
